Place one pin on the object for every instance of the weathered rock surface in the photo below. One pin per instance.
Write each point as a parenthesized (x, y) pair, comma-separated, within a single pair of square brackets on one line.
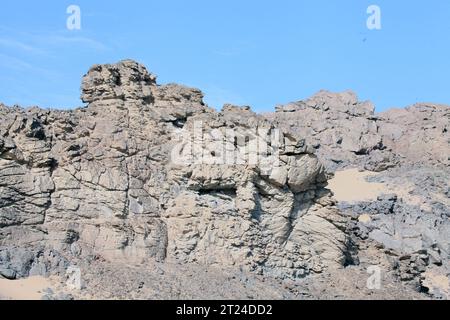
[(419, 134), (127, 179), (347, 132), (148, 175), (411, 148), (343, 130), (412, 225)]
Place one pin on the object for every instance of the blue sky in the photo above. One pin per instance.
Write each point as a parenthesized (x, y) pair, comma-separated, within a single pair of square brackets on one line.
[(258, 53)]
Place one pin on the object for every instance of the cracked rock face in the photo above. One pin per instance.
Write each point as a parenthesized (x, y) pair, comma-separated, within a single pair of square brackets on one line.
[(149, 172), (148, 175), (410, 148), (419, 133), (343, 130), (346, 132)]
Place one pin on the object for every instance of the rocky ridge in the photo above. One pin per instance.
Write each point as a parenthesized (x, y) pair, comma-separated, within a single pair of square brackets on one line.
[(148, 174), (114, 180), (410, 148)]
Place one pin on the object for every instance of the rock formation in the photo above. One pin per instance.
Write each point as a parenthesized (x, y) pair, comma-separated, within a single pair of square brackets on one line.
[(412, 225), (123, 179), (148, 173), (347, 132)]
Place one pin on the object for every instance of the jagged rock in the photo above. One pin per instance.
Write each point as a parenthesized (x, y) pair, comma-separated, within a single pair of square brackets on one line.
[(7, 273), (419, 133), (412, 225), (149, 172), (411, 146), (343, 130), (347, 132), (125, 80)]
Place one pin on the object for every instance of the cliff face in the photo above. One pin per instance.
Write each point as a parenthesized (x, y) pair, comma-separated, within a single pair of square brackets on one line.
[(347, 132), (148, 173), (410, 148)]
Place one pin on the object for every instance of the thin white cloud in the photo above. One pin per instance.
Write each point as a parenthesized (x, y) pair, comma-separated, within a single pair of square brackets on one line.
[(13, 63), (56, 40), (35, 42), (14, 44), (16, 64)]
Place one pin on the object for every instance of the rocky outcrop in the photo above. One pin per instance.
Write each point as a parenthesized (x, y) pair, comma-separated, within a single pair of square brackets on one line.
[(411, 226), (343, 130), (411, 148), (419, 134), (347, 132), (148, 172)]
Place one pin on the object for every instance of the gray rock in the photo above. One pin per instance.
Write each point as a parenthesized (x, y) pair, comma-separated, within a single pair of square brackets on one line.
[(148, 173), (123, 179), (347, 132), (48, 291), (7, 273)]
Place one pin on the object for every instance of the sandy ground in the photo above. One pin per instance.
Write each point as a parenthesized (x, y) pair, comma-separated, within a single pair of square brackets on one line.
[(351, 186), (24, 289), (437, 280)]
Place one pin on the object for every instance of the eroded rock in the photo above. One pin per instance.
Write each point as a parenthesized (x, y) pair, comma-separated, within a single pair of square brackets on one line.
[(150, 172)]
